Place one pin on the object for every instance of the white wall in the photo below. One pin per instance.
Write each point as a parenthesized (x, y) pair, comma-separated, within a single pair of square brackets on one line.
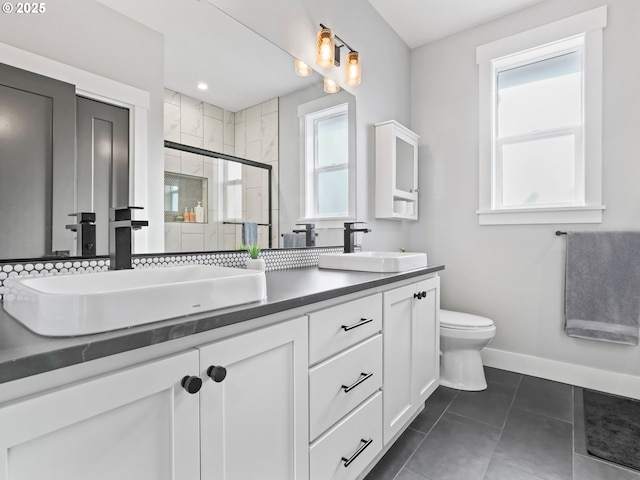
[(94, 38), (383, 94), (515, 274)]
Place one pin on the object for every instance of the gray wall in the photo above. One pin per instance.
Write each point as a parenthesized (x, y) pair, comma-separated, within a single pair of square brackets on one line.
[(514, 274), (87, 35)]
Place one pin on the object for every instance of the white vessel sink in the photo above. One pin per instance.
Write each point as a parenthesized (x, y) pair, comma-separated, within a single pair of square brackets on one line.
[(80, 304), (373, 261)]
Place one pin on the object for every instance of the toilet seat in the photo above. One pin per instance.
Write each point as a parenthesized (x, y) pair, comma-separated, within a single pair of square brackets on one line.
[(463, 321)]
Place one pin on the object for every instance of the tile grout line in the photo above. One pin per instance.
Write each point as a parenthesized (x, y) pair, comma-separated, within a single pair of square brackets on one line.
[(484, 474), (573, 432), (425, 437)]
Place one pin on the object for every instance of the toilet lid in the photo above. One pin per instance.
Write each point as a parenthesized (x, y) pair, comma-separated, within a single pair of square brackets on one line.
[(453, 319)]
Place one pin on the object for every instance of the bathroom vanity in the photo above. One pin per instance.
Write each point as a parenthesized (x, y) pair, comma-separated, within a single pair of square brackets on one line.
[(316, 382)]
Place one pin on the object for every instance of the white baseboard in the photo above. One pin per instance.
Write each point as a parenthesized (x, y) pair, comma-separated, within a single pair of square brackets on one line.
[(578, 375)]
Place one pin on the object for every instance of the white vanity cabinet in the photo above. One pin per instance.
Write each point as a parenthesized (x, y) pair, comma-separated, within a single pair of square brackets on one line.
[(254, 405), (396, 188), (314, 393), (411, 351), (138, 423), (141, 422), (345, 378)]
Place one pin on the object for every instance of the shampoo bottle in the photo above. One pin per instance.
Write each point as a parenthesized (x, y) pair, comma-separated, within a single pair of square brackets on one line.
[(199, 209), (187, 215)]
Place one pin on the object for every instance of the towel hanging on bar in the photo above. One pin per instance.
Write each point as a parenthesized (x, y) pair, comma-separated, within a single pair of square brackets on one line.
[(602, 287), (249, 233)]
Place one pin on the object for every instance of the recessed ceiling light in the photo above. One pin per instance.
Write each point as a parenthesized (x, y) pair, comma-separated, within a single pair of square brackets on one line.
[(202, 86)]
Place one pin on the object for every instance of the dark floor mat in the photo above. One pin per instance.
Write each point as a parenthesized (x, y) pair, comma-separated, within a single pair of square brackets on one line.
[(612, 428)]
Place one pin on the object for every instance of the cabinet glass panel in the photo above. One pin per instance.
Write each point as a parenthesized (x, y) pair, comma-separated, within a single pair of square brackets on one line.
[(404, 165)]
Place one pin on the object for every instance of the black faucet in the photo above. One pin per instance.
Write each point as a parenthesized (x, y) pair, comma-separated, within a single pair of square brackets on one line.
[(310, 233), (86, 233), (120, 227), (349, 235)]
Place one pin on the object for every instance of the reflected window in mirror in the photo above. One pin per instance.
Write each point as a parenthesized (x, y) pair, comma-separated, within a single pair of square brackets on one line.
[(233, 191), (328, 163)]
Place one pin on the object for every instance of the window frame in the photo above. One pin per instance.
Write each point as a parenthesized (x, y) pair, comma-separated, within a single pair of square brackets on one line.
[(309, 172), (587, 25), (313, 170)]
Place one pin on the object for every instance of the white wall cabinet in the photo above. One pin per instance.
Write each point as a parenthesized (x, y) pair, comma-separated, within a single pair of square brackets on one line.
[(137, 423), (396, 187), (411, 351)]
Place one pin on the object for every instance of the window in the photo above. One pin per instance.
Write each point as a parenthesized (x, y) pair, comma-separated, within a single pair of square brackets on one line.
[(540, 124), (328, 183), (232, 187), (327, 163)]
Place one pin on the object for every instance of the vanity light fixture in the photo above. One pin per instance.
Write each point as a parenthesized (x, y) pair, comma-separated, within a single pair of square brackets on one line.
[(330, 86), (353, 70), (202, 86), (328, 55), (302, 69), (325, 53)]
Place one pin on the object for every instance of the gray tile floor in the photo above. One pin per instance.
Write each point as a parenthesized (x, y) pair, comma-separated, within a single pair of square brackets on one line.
[(520, 428)]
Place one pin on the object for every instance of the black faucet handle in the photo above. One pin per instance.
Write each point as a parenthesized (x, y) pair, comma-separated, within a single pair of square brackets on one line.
[(122, 213), (349, 224), (84, 217)]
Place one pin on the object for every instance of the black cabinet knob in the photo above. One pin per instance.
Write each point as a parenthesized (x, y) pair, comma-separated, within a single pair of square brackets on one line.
[(191, 384), (217, 373), (424, 294), (418, 295)]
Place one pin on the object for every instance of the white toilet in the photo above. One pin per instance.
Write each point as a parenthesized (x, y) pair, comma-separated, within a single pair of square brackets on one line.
[(462, 336)]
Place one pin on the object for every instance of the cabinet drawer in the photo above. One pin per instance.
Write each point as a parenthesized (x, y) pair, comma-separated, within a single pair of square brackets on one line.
[(336, 328), (330, 453), (340, 384)]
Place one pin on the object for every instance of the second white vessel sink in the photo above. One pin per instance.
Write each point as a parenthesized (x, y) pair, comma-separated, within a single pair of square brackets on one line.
[(80, 304), (374, 261)]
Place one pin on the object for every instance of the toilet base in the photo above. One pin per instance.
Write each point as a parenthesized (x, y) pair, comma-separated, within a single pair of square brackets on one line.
[(462, 370)]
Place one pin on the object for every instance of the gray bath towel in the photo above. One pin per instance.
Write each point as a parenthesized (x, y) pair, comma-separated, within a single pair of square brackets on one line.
[(602, 298), (250, 233), (293, 240)]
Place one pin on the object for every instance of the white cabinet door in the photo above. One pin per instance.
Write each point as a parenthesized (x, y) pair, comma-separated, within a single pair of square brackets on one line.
[(411, 351), (255, 420), (426, 362), (396, 171), (137, 423)]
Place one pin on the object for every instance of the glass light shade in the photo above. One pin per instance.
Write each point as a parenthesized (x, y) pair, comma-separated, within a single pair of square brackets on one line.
[(330, 86), (325, 54), (353, 70), (302, 69)]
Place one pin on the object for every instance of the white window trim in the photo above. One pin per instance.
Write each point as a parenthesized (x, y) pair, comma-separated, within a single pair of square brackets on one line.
[(312, 107), (589, 24)]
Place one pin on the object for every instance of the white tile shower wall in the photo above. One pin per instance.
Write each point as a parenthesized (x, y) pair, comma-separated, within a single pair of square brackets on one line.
[(256, 138), (193, 122), (251, 133), (278, 259)]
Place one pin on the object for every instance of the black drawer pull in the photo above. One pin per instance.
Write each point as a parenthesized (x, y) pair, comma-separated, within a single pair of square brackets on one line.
[(347, 461), (363, 377), (363, 321)]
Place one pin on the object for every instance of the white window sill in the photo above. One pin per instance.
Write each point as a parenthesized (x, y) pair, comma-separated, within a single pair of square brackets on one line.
[(533, 216)]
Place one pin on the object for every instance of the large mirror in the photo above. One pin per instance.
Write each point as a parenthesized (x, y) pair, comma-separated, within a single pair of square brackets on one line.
[(250, 109)]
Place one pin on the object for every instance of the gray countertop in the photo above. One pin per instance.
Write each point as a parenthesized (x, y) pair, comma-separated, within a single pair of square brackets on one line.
[(24, 353)]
